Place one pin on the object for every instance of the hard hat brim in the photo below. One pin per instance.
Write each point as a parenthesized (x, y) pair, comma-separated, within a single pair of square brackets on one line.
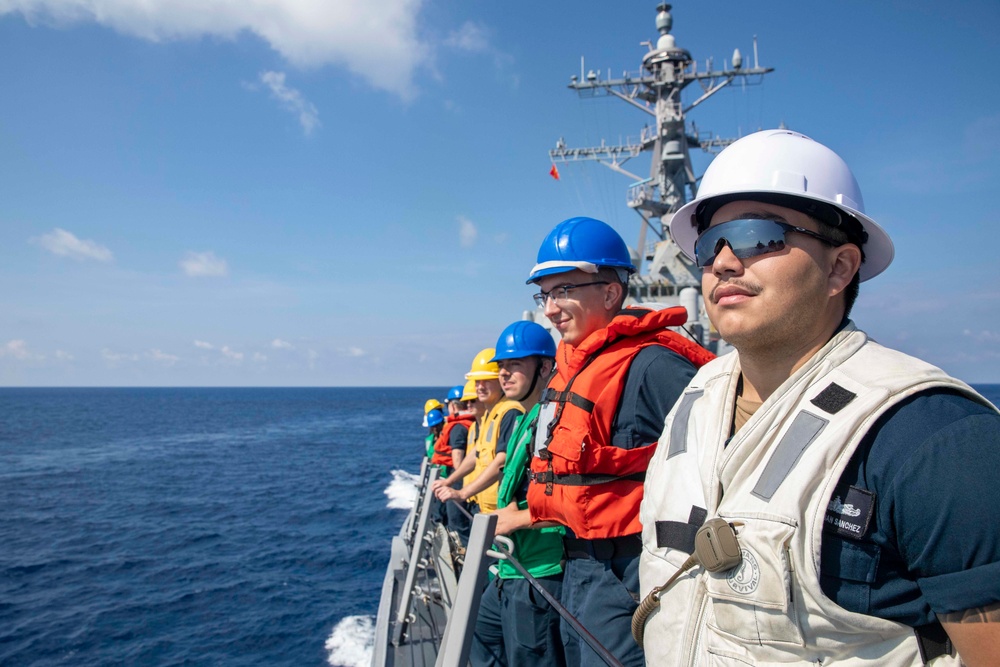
[(556, 267), (481, 375)]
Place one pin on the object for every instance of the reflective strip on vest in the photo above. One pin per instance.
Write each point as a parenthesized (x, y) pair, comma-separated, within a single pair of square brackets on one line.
[(803, 431), (678, 430)]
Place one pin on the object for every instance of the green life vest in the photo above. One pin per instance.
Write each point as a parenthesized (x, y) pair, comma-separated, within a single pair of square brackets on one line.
[(539, 550), (444, 471)]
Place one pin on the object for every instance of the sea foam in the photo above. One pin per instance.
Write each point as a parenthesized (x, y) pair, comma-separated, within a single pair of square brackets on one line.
[(402, 490), (350, 644)]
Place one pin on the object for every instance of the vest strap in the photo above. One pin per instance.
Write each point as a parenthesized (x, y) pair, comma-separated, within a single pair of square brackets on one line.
[(627, 546), (678, 535), (552, 396), (933, 642), (548, 477)]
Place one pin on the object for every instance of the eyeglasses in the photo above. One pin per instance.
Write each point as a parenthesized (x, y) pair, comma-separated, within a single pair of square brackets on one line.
[(561, 293), (747, 238)]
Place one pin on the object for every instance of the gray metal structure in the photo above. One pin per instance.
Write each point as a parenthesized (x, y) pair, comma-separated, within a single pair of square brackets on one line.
[(667, 70)]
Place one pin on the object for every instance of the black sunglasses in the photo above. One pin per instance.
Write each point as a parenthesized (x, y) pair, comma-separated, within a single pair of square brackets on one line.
[(747, 238)]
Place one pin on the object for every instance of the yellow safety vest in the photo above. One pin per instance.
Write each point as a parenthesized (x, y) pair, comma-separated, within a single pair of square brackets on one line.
[(486, 451)]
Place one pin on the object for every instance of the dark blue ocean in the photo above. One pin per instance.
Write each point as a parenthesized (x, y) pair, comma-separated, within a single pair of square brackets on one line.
[(201, 526), (198, 526)]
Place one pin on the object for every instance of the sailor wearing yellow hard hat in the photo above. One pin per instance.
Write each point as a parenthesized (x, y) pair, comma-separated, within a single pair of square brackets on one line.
[(483, 469)]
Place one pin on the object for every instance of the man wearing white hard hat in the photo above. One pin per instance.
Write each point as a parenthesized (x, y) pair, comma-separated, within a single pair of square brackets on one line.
[(815, 498)]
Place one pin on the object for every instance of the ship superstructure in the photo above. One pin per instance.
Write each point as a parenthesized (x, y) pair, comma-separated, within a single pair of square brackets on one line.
[(665, 275)]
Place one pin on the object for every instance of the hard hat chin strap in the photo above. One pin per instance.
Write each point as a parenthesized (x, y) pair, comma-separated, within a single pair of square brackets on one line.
[(534, 379)]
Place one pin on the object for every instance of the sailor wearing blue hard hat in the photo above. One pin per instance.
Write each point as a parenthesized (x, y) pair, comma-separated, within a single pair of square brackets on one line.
[(449, 452), (435, 418), (525, 355), (454, 396), (618, 373)]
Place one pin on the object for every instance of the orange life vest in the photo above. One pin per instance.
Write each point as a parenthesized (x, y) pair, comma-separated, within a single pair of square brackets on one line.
[(579, 478), (442, 446)]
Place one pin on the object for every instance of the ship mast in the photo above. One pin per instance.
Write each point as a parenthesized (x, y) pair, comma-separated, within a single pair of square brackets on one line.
[(666, 71)]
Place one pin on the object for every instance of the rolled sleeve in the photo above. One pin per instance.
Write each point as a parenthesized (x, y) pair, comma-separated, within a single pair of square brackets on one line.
[(947, 514)]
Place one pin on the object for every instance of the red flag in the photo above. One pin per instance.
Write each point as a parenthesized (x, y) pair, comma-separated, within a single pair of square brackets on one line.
[(554, 173)]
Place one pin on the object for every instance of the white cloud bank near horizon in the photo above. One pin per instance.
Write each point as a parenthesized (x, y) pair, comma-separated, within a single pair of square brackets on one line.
[(18, 349), (374, 39)]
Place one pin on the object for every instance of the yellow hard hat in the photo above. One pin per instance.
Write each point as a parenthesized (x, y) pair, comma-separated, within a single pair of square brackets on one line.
[(469, 393), (482, 367), (431, 404)]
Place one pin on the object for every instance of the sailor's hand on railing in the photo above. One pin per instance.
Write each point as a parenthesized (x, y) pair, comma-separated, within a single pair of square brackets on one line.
[(445, 493), (438, 483), (511, 518)]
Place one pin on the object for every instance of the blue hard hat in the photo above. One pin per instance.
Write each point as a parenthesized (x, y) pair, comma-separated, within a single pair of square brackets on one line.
[(581, 243), (455, 393), (524, 339), (434, 417)]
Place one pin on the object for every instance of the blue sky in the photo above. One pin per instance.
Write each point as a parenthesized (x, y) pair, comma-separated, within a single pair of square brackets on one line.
[(292, 192)]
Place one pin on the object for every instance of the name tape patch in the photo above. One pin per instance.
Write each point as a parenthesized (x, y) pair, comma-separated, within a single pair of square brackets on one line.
[(849, 514)]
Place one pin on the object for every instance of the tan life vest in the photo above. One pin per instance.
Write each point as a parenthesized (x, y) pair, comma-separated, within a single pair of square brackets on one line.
[(775, 477)]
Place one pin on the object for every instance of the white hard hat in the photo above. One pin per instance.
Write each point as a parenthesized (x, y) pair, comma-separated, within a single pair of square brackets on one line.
[(791, 170)]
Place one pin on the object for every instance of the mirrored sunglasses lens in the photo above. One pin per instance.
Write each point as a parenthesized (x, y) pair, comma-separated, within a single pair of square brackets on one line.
[(746, 238)]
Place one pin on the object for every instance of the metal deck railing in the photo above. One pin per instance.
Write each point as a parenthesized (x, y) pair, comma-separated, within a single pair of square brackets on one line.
[(427, 615)]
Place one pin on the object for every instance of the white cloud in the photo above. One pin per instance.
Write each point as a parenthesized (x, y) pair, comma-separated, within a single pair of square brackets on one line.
[(375, 40), (62, 355), (467, 232), (471, 37), (116, 357), (259, 358), (66, 244), (17, 349), (226, 351), (292, 101), (982, 336), (355, 352), (474, 37), (163, 357), (313, 355), (279, 344), (203, 264)]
